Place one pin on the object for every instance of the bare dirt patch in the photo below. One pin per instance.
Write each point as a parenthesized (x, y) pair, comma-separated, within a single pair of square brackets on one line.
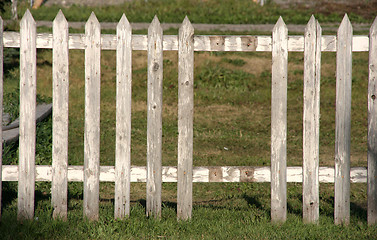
[(365, 9)]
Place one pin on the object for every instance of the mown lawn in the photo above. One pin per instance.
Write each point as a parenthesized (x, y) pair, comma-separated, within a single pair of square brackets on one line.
[(231, 128)]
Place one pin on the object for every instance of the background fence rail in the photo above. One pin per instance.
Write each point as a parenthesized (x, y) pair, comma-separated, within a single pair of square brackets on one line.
[(313, 43)]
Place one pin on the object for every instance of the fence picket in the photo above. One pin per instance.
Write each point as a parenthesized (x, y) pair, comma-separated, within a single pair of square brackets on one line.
[(60, 73), (154, 125), (372, 126), (123, 119), (28, 82), (1, 105), (92, 117), (312, 66), (343, 122), (279, 122), (185, 119)]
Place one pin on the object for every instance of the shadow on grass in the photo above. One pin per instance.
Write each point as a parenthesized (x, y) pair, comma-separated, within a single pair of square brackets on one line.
[(165, 204), (252, 201), (358, 211)]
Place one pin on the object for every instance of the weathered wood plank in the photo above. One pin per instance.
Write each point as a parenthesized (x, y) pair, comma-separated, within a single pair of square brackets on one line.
[(201, 42), (343, 122), (28, 87), (372, 127), (123, 120), (279, 122), (14, 10), (200, 174), (312, 74), (154, 121), (92, 118), (185, 119), (60, 89), (1, 103)]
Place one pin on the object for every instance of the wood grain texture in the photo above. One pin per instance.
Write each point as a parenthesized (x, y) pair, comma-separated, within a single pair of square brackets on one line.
[(1, 103), (372, 127), (60, 89), (343, 122), (185, 119), (123, 120), (14, 10), (200, 174), (279, 122), (312, 74), (241, 43), (154, 121), (28, 88), (92, 118)]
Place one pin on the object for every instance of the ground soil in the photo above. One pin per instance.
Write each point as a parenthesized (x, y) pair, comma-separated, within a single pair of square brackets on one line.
[(366, 9)]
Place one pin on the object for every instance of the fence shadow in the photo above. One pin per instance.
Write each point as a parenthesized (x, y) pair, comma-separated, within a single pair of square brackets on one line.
[(165, 204), (9, 193), (252, 201), (359, 211)]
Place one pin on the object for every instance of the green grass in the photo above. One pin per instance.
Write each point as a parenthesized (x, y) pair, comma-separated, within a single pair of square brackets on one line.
[(231, 127), (209, 11), (232, 211)]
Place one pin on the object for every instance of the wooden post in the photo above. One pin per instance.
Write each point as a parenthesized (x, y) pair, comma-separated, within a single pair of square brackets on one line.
[(1, 105), (372, 126), (279, 122), (37, 4), (154, 125), (92, 117), (343, 122), (60, 89), (185, 118), (312, 75), (123, 119), (14, 10), (28, 87)]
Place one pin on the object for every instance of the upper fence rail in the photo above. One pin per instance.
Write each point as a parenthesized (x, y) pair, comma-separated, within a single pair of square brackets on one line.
[(214, 43)]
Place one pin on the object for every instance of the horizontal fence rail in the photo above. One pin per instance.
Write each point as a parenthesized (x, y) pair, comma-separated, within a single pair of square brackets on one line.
[(201, 42), (200, 174), (91, 174)]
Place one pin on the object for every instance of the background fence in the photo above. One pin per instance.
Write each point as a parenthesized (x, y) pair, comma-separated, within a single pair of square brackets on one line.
[(60, 173)]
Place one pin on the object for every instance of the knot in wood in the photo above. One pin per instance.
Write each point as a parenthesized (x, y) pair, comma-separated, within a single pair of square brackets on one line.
[(156, 67)]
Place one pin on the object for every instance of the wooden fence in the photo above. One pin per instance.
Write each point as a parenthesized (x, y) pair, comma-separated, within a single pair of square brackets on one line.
[(312, 44)]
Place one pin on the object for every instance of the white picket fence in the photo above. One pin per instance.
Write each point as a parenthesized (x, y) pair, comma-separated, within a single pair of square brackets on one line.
[(60, 173)]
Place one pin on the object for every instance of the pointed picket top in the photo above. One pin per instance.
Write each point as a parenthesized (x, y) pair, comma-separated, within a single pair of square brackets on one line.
[(186, 28), (124, 23), (92, 20), (311, 24), (373, 28), (279, 24), (345, 25), (319, 28), (27, 18), (187, 24), (155, 24), (60, 21)]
